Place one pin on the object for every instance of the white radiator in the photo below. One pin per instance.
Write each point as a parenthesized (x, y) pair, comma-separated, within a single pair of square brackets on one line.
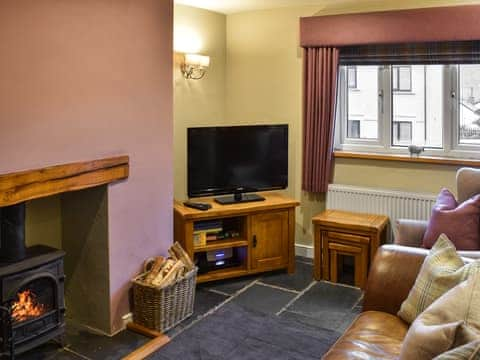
[(394, 204)]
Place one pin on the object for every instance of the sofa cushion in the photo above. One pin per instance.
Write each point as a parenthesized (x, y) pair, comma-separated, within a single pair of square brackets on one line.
[(468, 183), (451, 321), (373, 335), (469, 351), (442, 270), (410, 232), (460, 223)]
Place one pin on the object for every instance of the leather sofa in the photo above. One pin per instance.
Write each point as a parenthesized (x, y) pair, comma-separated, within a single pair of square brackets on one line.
[(377, 333)]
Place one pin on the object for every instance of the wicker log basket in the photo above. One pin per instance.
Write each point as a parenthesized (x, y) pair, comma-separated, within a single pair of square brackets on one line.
[(164, 294), (163, 308)]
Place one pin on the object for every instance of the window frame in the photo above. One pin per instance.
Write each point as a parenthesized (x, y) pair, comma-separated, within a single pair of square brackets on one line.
[(384, 144), (455, 95), (342, 113)]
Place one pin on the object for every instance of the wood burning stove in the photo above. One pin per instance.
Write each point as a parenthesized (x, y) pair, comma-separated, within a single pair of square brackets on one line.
[(31, 288)]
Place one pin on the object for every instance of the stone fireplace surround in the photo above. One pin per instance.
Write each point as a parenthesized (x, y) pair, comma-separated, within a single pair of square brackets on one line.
[(79, 192)]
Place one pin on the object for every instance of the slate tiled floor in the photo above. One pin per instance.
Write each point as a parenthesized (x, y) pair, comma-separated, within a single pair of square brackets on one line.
[(230, 287), (296, 281), (325, 296), (49, 351), (82, 344), (321, 305), (328, 305), (204, 301), (264, 299)]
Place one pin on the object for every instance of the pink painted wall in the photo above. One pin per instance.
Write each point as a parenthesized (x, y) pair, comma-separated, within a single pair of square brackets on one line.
[(88, 79)]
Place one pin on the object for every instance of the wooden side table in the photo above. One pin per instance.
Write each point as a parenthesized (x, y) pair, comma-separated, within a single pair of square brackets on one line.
[(347, 233)]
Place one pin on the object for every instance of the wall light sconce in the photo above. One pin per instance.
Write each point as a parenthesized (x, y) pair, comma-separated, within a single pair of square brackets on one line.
[(195, 66)]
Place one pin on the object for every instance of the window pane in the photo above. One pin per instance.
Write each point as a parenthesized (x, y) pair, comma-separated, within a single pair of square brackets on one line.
[(404, 78), (417, 111), (401, 78), (352, 77), (354, 129), (469, 104), (402, 132), (395, 77), (362, 104)]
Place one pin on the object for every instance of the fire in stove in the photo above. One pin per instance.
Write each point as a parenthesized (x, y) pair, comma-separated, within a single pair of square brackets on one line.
[(27, 307)]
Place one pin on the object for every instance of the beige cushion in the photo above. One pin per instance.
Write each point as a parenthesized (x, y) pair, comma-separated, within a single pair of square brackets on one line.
[(442, 270), (469, 351), (468, 183), (451, 321)]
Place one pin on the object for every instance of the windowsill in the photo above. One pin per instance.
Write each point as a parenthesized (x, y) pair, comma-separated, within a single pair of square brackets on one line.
[(405, 158)]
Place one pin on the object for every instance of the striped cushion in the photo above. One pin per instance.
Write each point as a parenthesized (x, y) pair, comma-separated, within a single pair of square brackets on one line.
[(442, 270), (452, 321), (468, 351)]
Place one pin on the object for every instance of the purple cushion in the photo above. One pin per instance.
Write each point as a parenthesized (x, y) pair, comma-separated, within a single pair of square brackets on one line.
[(460, 223)]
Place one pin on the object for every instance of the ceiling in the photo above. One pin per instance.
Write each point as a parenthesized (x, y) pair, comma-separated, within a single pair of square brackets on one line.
[(234, 6)]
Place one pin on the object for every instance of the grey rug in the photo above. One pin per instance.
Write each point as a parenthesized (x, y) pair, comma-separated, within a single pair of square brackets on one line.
[(237, 333)]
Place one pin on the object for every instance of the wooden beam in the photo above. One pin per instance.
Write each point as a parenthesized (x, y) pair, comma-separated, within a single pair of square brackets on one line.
[(143, 330), (143, 351), (32, 184), (148, 348)]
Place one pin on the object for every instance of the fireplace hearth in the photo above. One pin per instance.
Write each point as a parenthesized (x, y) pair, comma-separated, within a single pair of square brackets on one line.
[(32, 280)]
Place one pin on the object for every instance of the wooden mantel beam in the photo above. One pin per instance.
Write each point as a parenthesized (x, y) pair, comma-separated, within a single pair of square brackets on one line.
[(33, 184)]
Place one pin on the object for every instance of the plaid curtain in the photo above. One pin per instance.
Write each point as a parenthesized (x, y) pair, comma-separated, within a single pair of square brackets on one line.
[(450, 52)]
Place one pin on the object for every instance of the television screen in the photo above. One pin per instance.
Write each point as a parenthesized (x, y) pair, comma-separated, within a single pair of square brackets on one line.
[(223, 159)]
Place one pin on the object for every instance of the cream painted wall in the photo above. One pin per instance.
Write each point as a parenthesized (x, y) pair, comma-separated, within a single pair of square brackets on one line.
[(422, 178), (264, 79), (264, 82), (198, 102)]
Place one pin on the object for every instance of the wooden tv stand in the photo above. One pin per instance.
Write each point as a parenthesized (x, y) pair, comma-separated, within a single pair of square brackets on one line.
[(266, 230)]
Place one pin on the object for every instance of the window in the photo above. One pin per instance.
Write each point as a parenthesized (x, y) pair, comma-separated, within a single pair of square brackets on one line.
[(402, 132), (469, 105), (362, 104), (391, 107), (421, 107), (401, 78), (352, 77)]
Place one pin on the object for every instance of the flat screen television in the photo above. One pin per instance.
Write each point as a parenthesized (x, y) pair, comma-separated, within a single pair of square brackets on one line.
[(237, 160)]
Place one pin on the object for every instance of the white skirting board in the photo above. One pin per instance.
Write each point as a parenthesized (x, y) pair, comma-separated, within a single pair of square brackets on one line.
[(304, 250)]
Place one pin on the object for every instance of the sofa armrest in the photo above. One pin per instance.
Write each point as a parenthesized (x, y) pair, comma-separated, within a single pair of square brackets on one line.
[(392, 275), (410, 232)]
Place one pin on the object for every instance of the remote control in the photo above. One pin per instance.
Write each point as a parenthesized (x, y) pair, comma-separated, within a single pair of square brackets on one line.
[(198, 206)]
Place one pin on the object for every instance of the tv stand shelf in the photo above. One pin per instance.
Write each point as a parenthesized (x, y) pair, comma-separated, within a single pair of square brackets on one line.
[(221, 244), (267, 234)]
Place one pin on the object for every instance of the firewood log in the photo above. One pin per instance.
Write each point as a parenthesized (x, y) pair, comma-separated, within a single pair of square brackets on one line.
[(162, 272), (159, 261), (177, 251), (170, 277), (165, 269)]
